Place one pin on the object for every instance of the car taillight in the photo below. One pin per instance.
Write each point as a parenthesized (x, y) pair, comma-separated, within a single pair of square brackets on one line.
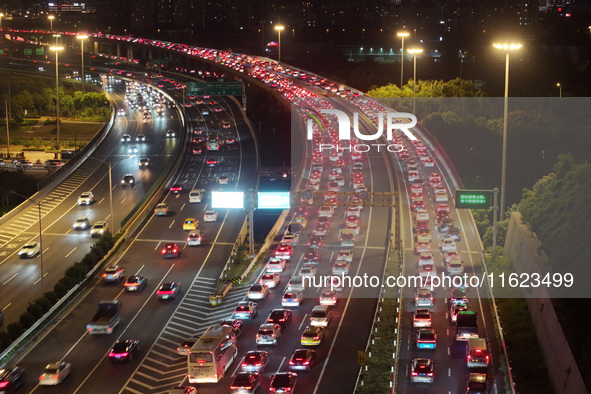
[(281, 319), (414, 374), (306, 362), (174, 251), (430, 374), (104, 275), (41, 377), (291, 362), (163, 251), (3, 384)]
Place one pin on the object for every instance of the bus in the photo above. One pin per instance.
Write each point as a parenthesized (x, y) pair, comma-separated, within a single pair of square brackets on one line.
[(212, 355)]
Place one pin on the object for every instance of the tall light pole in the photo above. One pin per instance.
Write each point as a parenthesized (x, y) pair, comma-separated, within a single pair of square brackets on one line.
[(414, 52), (507, 47), (39, 206), (82, 37), (1, 16), (56, 49), (559, 86), (402, 34), (51, 18), (279, 28)]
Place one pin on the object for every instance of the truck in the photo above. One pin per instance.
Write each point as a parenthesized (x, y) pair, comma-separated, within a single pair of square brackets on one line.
[(466, 326), (106, 317)]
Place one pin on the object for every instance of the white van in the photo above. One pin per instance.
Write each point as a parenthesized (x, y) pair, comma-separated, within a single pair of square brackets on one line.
[(196, 195), (476, 353), (321, 316)]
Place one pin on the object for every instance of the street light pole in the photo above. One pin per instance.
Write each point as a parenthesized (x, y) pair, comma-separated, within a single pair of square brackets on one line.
[(414, 52), (51, 18), (279, 28), (1, 16), (57, 94), (82, 37), (111, 199), (402, 34), (506, 48), (559, 86)]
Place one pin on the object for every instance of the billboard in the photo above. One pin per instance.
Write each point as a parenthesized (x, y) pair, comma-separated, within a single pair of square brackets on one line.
[(273, 200), (227, 200)]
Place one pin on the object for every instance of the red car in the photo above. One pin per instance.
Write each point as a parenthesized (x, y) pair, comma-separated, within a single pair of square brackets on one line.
[(171, 250), (416, 205)]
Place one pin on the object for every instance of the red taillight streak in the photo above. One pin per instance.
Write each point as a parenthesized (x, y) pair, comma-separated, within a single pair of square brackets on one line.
[(3, 384)]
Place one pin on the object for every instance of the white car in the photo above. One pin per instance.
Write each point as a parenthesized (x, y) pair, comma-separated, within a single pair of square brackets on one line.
[(86, 198), (448, 245), (99, 228), (345, 255), (270, 279), (258, 291), (455, 267), (292, 299), (329, 297), (423, 298), (81, 223), (194, 239), (326, 211), (440, 196), (210, 215), (341, 268), (55, 373), (353, 211), (275, 264), (30, 250), (307, 270)]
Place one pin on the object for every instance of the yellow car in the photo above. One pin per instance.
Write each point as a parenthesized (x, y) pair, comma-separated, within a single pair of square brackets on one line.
[(312, 336), (190, 224)]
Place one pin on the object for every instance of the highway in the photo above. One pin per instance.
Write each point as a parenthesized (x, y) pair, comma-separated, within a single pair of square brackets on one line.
[(197, 269), (62, 245)]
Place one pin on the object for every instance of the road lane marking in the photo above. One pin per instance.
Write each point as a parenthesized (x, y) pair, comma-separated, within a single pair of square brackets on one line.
[(237, 366), (6, 307), (183, 206), (171, 223), (9, 279), (39, 280), (280, 365), (100, 202), (122, 201), (72, 251), (302, 323)]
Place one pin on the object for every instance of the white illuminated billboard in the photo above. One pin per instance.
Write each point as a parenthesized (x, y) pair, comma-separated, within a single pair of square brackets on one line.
[(227, 200), (273, 200)]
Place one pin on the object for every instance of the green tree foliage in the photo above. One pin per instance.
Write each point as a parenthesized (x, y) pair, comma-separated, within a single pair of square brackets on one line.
[(429, 88), (559, 212)]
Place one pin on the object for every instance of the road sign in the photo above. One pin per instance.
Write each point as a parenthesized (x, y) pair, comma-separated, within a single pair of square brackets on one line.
[(215, 88), (39, 51), (476, 199), (361, 357), (27, 51), (273, 200)]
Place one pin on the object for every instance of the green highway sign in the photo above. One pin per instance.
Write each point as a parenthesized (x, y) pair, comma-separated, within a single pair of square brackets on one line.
[(39, 51), (215, 88), (27, 51), (476, 199)]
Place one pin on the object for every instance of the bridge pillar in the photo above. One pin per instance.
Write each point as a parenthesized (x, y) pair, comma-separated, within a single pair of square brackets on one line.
[(130, 52), (118, 50), (95, 50), (150, 54)]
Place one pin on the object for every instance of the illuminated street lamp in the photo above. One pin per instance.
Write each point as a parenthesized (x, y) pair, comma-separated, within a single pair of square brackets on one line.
[(82, 37), (507, 47), (57, 49), (559, 86), (402, 34), (414, 52), (279, 28), (51, 18), (1, 16)]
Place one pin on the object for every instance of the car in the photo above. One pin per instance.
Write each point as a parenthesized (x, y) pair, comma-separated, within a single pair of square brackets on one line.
[(30, 249), (426, 338), (55, 373), (258, 291), (132, 150), (114, 273), (246, 382), (125, 138), (307, 270), (428, 162), (292, 299), (326, 210), (312, 336), (270, 279), (255, 361), (135, 283), (455, 267), (283, 382), (421, 318), (168, 290), (447, 245), (423, 297), (140, 138), (477, 383), (234, 323), (211, 162), (280, 316), (425, 258), (127, 180), (81, 223), (170, 134), (86, 198), (328, 297), (454, 233), (302, 359), (99, 228), (418, 205), (421, 370), (205, 112), (171, 250), (194, 238), (290, 239), (11, 379), (176, 188), (161, 209), (455, 309), (440, 196), (124, 350), (183, 390), (311, 256), (346, 255), (121, 112), (268, 334), (347, 238), (423, 235), (223, 180), (353, 211), (320, 316), (458, 295), (316, 242), (246, 310), (341, 267), (444, 223), (190, 224), (413, 176), (275, 264), (210, 215), (423, 247), (144, 163)]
